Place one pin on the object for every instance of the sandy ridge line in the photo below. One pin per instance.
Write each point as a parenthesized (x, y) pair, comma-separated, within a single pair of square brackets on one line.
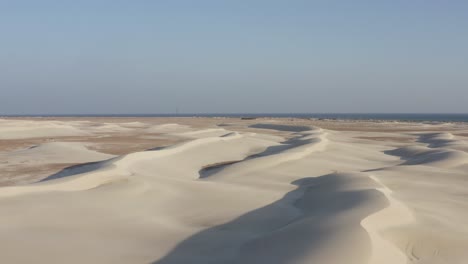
[(112, 170), (310, 142), (395, 214)]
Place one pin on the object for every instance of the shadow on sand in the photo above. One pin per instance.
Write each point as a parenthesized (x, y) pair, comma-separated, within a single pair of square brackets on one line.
[(291, 143), (89, 166), (320, 211), (74, 170)]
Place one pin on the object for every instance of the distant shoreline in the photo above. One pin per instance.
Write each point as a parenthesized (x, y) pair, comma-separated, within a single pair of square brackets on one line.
[(407, 117)]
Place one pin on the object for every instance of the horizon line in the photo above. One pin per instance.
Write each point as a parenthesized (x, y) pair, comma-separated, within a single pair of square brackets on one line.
[(235, 113)]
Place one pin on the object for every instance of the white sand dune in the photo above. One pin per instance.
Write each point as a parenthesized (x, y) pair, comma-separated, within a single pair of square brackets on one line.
[(21, 129), (167, 128), (431, 157), (135, 124), (280, 127), (109, 127), (37, 158), (58, 152), (227, 196), (444, 140), (441, 150), (396, 214), (210, 132)]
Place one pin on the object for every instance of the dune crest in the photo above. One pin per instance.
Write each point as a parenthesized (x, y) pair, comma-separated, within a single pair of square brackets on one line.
[(269, 192)]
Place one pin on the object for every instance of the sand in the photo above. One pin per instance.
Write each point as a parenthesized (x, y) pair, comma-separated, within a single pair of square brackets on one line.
[(225, 190)]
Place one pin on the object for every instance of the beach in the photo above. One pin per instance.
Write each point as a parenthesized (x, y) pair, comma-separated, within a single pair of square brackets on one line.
[(231, 190)]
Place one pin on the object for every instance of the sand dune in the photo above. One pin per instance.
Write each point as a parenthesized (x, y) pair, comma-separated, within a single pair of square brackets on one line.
[(59, 152), (441, 150), (20, 129), (441, 140), (167, 128), (33, 159), (266, 192), (210, 132)]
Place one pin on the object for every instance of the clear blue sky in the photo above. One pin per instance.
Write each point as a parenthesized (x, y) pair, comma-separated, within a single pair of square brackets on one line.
[(233, 56)]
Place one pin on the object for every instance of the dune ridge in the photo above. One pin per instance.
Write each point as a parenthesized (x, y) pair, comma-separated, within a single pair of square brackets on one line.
[(276, 193), (396, 214), (441, 150)]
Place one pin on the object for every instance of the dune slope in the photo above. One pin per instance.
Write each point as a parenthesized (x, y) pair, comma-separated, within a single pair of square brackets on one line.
[(267, 193)]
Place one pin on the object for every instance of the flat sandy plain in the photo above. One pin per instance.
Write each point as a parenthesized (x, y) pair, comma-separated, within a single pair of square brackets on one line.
[(226, 190)]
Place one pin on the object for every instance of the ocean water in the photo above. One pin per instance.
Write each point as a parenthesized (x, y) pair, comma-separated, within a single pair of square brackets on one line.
[(346, 116)]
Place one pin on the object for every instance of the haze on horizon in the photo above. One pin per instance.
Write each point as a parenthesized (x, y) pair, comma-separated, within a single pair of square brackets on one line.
[(84, 57)]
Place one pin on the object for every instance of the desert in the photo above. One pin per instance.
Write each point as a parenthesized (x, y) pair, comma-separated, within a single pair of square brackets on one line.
[(231, 190)]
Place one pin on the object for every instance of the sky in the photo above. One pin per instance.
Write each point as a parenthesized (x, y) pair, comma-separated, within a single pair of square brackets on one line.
[(233, 56)]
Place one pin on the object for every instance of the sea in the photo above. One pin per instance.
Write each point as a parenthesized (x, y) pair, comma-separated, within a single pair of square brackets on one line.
[(406, 117)]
